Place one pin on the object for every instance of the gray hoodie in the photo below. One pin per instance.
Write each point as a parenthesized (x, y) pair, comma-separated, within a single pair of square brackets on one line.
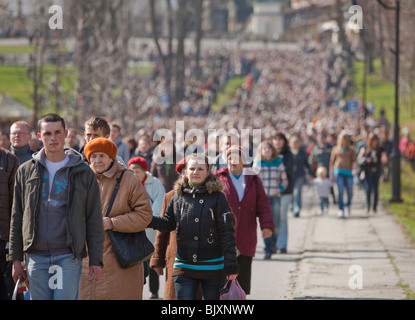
[(51, 235)]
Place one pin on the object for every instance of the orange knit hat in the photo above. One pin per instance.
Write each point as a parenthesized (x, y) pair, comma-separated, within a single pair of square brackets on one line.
[(100, 145)]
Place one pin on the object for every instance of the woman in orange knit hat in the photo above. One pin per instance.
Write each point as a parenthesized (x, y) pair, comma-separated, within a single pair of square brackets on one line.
[(131, 212)]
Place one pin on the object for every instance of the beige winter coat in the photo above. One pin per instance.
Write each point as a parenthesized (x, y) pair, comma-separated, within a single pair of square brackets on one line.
[(131, 212)]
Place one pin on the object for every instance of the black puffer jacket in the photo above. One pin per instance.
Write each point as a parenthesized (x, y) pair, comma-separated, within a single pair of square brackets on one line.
[(203, 222)]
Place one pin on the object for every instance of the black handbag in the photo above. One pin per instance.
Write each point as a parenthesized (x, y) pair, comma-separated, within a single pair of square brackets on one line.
[(129, 248)]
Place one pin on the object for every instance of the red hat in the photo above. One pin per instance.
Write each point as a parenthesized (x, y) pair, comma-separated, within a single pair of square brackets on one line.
[(139, 161), (100, 145), (181, 165)]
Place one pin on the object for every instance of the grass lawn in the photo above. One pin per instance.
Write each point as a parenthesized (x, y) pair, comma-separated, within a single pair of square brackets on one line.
[(382, 93), (229, 92), (15, 81), (16, 49)]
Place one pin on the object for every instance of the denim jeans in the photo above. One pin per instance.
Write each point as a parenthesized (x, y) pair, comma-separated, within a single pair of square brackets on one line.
[(271, 242), (186, 288), (371, 184), (285, 201), (297, 194), (344, 183), (324, 203), (53, 277)]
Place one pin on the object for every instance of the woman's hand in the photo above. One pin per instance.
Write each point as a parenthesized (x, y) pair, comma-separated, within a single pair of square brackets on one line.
[(266, 233), (159, 270), (230, 277), (107, 224)]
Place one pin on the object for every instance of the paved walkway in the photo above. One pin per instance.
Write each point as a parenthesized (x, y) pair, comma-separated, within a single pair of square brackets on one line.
[(365, 256)]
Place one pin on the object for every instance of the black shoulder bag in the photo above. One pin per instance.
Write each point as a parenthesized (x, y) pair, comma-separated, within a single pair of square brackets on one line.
[(129, 248)]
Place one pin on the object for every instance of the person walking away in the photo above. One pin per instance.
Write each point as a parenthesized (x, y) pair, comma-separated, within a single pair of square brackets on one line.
[(342, 161), (8, 168), (247, 198), (280, 142), (155, 191), (131, 212), (56, 216), (270, 168), (201, 215), (370, 159), (323, 186), (301, 173)]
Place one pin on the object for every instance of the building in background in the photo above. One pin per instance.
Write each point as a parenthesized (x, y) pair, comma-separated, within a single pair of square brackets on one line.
[(267, 20)]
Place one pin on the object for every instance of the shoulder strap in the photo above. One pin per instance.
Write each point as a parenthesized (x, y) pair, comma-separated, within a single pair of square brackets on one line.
[(114, 193)]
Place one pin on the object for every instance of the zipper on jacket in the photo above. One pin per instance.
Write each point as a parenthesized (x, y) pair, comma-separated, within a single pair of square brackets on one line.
[(37, 205), (70, 196), (212, 214)]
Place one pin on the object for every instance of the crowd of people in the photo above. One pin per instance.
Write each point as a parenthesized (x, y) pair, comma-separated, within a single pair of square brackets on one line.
[(205, 209)]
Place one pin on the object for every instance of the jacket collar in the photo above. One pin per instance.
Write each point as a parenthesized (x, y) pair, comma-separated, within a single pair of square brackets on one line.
[(211, 185), (111, 171)]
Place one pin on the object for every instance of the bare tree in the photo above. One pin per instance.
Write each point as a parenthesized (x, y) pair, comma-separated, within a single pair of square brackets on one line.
[(198, 36), (173, 63), (103, 28)]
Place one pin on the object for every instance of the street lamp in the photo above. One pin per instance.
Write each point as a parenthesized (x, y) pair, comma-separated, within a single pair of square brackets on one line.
[(396, 157)]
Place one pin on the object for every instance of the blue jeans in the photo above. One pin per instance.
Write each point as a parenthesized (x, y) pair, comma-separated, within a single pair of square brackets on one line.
[(186, 288), (344, 183), (371, 184), (271, 242), (324, 203), (297, 194), (53, 277), (285, 201)]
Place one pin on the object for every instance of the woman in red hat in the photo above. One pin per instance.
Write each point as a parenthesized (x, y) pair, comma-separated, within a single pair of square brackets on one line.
[(155, 191), (131, 212)]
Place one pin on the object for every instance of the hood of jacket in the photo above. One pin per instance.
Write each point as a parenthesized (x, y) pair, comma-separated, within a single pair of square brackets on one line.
[(75, 158), (210, 185)]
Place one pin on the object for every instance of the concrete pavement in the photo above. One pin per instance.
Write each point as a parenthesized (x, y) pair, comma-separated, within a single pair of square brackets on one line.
[(365, 256)]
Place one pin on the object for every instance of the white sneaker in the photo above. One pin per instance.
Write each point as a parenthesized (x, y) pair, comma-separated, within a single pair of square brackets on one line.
[(349, 212), (340, 214)]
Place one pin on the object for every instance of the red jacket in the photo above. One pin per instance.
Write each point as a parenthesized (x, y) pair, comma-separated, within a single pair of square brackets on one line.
[(255, 203)]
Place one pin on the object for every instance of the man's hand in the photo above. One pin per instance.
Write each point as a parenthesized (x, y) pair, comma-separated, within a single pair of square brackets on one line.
[(17, 271), (94, 273)]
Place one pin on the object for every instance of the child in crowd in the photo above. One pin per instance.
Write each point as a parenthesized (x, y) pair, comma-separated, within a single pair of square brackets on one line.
[(323, 185)]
